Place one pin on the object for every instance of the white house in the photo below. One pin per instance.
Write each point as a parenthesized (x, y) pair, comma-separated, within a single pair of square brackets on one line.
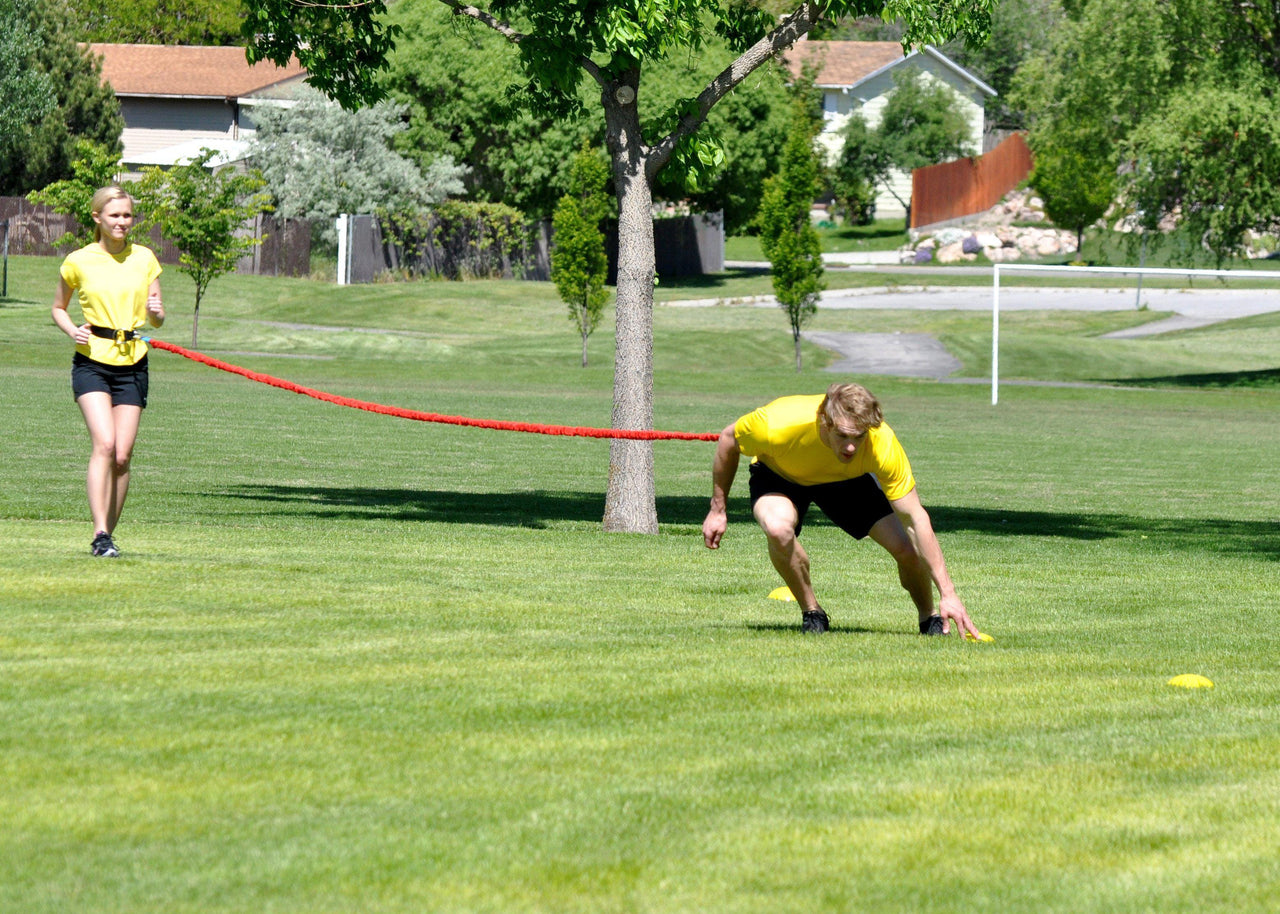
[(858, 76), (176, 100)]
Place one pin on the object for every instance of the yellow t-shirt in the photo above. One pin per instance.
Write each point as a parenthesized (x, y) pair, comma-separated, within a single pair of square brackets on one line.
[(783, 435), (113, 293)]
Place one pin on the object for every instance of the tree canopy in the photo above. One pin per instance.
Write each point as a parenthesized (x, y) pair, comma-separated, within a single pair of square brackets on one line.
[(26, 93), (1213, 160), (43, 147), (193, 22), (320, 160)]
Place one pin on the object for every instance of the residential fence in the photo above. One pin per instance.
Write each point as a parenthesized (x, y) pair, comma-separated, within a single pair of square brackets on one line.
[(285, 248), (953, 190), (454, 249)]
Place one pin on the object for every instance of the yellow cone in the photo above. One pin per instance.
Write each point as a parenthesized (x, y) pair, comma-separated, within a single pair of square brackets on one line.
[(982, 636), (782, 593), (1190, 681)]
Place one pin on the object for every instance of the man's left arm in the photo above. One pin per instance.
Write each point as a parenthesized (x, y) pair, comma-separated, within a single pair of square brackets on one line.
[(920, 528)]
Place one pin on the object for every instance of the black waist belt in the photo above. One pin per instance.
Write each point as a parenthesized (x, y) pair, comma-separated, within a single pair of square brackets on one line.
[(120, 336)]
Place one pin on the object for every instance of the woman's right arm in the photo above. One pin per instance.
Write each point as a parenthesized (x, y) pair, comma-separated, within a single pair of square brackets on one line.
[(61, 299)]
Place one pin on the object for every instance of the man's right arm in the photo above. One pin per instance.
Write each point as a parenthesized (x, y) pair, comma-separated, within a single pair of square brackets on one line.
[(723, 469)]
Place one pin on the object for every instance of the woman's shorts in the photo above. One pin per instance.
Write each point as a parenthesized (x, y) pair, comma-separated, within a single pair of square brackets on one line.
[(126, 384), (854, 505)]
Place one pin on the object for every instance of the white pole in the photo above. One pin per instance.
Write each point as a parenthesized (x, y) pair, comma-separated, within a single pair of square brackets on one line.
[(995, 336), (342, 250)]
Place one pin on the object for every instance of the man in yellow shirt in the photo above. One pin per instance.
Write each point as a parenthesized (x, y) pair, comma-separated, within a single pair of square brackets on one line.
[(835, 451)]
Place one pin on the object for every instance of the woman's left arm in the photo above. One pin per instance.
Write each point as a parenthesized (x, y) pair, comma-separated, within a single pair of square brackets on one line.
[(155, 304)]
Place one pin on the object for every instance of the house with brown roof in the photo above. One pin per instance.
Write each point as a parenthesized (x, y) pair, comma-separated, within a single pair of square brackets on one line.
[(176, 100), (857, 76)]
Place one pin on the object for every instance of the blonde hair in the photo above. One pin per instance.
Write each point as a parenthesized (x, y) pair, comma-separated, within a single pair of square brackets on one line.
[(850, 405), (101, 197)]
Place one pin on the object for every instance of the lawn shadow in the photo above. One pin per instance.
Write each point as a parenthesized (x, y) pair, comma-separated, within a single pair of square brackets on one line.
[(539, 508), (712, 282), (533, 508), (1212, 534), (793, 628), (1221, 380)]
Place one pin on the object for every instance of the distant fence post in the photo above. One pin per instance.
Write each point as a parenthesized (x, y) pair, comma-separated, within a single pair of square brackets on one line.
[(4, 288)]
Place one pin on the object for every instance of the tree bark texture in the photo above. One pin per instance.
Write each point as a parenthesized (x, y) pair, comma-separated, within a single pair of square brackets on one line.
[(630, 500)]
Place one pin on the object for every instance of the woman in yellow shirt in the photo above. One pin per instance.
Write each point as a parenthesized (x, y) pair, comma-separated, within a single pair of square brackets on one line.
[(119, 290)]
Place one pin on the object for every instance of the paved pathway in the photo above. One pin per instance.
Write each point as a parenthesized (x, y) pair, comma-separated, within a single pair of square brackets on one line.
[(919, 355)]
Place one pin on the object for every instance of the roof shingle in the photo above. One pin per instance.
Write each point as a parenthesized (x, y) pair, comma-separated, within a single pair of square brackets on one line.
[(842, 63), (145, 69)]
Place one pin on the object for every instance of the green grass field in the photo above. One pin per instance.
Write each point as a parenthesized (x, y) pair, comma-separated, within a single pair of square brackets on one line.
[(354, 663)]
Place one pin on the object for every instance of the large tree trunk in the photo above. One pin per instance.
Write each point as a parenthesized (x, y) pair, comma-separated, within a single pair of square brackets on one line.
[(630, 502)]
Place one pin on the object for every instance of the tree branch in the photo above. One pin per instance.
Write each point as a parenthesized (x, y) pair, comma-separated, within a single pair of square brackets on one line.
[(506, 31), (787, 32), (463, 9)]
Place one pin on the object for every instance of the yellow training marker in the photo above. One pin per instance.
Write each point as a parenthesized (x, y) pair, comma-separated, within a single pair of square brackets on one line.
[(982, 636), (1190, 681), (782, 593)]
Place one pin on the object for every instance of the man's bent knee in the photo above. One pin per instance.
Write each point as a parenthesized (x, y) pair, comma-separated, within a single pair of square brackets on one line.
[(777, 520)]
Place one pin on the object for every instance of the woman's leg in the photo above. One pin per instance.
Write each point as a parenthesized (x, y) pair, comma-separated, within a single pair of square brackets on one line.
[(96, 408), (126, 419)]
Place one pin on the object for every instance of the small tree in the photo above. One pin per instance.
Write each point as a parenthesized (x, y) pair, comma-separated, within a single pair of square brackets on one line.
[(94, 166), (201, 211), (579, 264), (1076, 178), (856, 172), (786, 231)]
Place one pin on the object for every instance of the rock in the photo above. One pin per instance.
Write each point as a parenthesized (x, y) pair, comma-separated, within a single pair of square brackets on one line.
[(953, 253), (1003, 255), (949, 235)]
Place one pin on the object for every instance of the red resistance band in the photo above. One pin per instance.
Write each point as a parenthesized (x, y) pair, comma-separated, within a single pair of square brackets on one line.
[(571, 430)]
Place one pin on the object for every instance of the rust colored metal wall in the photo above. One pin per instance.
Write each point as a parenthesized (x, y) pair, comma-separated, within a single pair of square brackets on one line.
[(964, 187)]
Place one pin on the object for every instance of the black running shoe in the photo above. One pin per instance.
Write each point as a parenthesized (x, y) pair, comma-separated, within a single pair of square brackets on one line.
[(932, 626), (814, 622), (103, 546)]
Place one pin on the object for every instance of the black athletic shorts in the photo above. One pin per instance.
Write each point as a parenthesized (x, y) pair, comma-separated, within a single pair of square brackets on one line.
[(127, 384), (853, 505)]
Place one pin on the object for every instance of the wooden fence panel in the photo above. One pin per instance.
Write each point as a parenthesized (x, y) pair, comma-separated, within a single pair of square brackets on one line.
[(952, 190), (286, 248)]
